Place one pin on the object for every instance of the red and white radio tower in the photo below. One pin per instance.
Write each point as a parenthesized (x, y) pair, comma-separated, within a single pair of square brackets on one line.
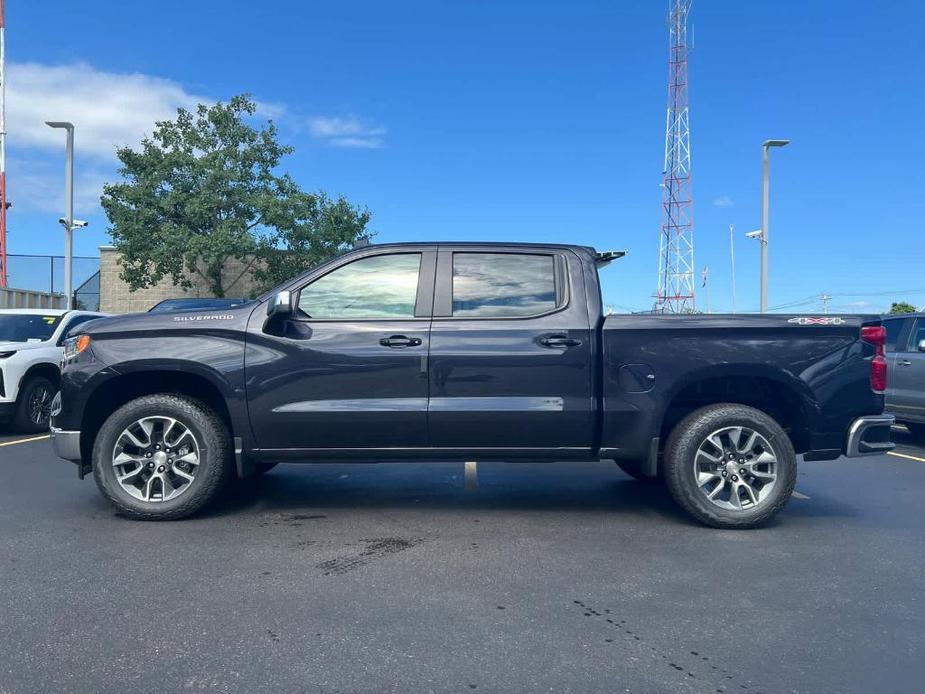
[(675, 292), (3, 275)]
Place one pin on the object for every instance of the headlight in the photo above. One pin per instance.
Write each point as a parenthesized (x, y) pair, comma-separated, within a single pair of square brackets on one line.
[(4, 355), (75, 345)]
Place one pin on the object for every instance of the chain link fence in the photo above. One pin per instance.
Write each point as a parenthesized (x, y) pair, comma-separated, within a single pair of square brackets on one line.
[(45, 273)]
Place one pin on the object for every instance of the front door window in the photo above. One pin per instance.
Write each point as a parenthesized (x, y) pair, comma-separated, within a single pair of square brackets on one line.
[(380, 287)]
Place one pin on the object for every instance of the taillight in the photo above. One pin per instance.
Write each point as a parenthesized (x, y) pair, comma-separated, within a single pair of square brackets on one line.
[(876, 335)]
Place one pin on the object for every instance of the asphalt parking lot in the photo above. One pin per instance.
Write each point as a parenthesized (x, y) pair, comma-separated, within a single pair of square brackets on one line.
[(396, 578)]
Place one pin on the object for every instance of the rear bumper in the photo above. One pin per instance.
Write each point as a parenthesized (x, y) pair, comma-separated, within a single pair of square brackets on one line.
[(870, 436), (66, 444)]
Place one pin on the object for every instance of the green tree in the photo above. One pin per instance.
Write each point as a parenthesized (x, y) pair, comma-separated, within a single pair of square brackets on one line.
[(902, 307), (204, 189)]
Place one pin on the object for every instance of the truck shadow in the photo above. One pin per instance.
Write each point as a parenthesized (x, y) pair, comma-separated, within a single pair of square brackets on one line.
[(584, 487)]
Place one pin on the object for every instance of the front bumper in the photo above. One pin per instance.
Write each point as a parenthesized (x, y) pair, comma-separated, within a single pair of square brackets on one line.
[(870, 436), (66, 444), (6, 410)]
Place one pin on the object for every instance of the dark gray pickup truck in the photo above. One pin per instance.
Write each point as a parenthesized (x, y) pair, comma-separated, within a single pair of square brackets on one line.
[(467, 351)]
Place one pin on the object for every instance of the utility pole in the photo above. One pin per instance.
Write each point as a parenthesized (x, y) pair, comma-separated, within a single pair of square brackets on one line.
[(765, 195), (68, 221), (706, 286), (732, 256)]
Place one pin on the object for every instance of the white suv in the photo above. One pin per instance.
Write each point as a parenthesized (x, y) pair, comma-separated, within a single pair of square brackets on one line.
[(30, 356)]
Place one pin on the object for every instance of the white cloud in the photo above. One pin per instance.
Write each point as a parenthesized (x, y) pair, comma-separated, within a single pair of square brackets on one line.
[(37, 185), (723, 201), (108, 109), (346, 132)]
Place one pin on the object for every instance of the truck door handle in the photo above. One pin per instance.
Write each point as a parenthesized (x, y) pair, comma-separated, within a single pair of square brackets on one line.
[(400, 341), (559, 341), (904, 362)]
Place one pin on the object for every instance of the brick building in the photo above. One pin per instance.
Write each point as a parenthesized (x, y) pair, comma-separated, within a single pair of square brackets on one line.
[(116, 297)]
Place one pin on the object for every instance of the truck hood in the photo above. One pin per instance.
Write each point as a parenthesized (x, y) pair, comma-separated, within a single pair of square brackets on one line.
[(208, 320)]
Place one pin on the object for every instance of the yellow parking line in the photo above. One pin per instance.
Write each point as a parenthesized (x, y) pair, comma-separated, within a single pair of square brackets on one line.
[(798, 495), (34, 438), (903, 455)]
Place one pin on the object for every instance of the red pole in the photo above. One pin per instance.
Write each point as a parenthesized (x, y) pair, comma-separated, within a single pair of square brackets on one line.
[(3, 269)]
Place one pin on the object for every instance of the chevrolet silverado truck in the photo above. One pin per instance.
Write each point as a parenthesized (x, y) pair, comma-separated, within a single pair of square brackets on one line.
[(467, 351)]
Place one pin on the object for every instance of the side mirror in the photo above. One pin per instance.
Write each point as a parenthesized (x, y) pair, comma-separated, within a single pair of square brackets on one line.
[(922, 345), (280, 305)]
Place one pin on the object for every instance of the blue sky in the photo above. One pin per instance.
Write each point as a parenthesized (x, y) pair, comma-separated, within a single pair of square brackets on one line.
[(539, 121)]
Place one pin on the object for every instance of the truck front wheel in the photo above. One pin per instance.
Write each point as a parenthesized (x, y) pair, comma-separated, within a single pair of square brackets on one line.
[(161, 457), (730, 466)]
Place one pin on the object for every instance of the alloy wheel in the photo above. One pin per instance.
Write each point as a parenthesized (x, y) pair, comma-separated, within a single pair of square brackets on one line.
[(735, 468), (39, 405), (156, 458)]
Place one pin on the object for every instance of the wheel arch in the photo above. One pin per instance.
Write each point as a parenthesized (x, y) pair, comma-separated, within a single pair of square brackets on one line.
[(124, 387), (785, 398), (44, 369)]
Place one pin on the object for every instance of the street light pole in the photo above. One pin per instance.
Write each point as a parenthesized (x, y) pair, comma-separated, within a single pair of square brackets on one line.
[(732, 256), (765, 195), (69, 217)]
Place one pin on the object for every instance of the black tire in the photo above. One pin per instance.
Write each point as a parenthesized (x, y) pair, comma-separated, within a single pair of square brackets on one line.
[(917, 431), (681, 450), (37, 388), (633, 468), (215, 466)]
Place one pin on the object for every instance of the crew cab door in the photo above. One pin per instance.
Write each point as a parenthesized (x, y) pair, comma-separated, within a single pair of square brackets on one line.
[(348, 371), (511, 354), (906, 381)]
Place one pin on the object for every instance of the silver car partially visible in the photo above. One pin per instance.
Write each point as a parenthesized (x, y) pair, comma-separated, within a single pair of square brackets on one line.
[(905, 395)]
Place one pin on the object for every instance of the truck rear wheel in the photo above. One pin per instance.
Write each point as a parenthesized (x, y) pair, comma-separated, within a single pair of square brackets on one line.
[(161, 457), (730, 466)]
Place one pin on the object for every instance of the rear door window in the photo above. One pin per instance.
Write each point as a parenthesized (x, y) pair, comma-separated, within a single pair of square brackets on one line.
[(894, 326), (504, 285), (917, 335)]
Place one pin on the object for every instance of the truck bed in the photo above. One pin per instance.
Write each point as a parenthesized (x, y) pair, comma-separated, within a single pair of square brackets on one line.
[(813, 370)]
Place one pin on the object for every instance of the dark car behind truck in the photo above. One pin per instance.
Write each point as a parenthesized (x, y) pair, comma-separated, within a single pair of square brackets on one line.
[(467, 352), (905, 396)]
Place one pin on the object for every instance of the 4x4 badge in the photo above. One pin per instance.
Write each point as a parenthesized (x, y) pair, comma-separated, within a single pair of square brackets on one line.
[(817, 320)]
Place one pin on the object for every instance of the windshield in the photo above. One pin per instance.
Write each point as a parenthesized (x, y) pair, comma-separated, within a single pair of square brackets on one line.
[(24, 327)]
